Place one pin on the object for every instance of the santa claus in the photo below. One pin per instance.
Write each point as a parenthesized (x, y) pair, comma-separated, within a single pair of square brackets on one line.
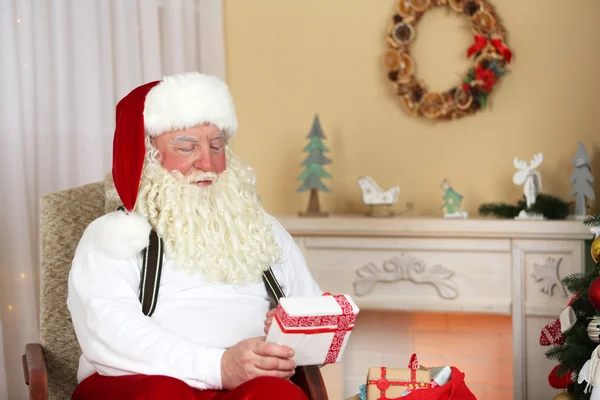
[(203, 335)]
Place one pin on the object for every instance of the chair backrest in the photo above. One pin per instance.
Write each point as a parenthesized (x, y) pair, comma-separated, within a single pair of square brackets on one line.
[(64, 217)]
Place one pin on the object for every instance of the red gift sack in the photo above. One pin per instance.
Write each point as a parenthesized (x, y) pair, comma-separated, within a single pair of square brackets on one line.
[(455, 389)]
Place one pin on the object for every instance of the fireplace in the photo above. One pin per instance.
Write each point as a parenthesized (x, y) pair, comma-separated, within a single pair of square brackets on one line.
[(470, 293)]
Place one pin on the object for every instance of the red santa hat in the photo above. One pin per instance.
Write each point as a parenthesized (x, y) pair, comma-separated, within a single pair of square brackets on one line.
[(176, 102)]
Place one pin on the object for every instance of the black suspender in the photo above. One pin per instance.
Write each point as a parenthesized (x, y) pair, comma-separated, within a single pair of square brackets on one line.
[(152, 260), (273, 288), (151, 270)]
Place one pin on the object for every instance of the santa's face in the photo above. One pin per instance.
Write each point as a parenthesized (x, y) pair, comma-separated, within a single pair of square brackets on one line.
[(197, 151)]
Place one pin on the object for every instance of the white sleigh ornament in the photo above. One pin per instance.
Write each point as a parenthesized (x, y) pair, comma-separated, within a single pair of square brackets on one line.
[(317, 328), (379, 200), (531, 181)]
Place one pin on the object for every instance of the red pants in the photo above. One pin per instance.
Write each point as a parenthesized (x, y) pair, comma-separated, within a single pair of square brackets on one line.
[(147, 387)]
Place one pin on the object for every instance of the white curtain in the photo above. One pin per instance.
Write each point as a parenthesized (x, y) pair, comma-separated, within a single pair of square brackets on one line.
[(64, 64)]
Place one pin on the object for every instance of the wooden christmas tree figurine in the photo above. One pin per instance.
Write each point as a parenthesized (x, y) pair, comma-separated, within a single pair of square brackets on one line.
[(314, 171), (582, 180)]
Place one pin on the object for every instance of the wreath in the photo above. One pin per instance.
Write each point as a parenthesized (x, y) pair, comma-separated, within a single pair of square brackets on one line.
[(489, 53)]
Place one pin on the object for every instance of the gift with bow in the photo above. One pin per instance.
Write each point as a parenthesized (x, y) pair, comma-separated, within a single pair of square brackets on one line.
[(317, 328), (391, 383)]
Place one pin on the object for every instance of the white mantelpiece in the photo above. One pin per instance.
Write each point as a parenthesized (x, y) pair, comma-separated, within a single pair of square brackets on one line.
[(483, 266)]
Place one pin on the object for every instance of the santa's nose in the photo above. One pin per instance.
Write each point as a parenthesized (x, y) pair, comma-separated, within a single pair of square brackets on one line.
[(204, 163)]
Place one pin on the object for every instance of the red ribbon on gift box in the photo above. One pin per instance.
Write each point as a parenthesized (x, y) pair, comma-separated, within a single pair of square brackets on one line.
[(383, 383), (338, 324)]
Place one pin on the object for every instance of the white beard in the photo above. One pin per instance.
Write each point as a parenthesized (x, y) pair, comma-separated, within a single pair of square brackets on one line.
[(218, 230)]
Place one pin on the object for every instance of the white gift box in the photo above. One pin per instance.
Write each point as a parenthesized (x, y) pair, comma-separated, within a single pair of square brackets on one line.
[(317, 328)]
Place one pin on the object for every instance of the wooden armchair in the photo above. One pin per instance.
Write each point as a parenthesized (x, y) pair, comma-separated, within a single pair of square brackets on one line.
[(50, 367)]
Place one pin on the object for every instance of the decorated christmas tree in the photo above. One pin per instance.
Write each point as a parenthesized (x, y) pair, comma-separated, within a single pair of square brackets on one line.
[(314, 172), (575, 335)]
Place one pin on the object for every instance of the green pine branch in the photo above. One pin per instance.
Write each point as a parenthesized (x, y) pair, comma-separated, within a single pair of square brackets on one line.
[(549, 206), (592, 220), (580, 282), (501, 210)]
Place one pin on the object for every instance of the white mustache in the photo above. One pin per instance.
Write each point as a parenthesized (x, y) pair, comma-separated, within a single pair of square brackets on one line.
[(205, 176)]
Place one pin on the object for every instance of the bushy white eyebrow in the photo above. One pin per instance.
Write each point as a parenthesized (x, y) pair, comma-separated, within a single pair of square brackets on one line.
[(180, 139), (219, 136)]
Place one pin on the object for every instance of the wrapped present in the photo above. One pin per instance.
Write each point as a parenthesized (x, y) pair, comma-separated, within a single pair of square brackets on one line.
[(440, 375), (317, 328), (390, 383)]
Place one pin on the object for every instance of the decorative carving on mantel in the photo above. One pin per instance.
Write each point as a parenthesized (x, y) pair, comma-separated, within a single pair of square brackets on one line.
[(406, 268), (547, 274)]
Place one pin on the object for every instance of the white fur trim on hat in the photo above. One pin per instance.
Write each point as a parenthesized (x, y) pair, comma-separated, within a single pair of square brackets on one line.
[(187, 100), (123, 235)]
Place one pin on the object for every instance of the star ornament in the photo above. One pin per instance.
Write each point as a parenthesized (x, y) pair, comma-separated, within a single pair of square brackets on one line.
[(547, 275)]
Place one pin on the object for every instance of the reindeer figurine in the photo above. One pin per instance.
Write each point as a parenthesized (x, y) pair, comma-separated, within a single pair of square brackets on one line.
[(531, 181)]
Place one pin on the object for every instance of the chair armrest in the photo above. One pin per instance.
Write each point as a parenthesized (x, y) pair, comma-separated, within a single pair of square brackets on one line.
[(34, 371), (309, 379)]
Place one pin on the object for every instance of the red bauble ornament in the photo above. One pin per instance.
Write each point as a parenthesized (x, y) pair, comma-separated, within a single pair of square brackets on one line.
[(594, 293), (559, 382)]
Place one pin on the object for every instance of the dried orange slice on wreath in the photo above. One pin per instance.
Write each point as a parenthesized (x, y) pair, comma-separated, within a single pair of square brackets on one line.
[(420, 5), (457, 5), (404, 8), (483, 23), (489, 53), (400, 63), (432, 105), (407, 66), (462, 98), (391, 60)]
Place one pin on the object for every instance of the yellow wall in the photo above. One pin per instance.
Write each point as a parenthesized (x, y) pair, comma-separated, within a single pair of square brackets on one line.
[(287, 60)]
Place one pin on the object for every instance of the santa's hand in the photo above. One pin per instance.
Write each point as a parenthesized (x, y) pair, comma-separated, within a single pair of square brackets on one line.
[(269, 319), (252, 358)]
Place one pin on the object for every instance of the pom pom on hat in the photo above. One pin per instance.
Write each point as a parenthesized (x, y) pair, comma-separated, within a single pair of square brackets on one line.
[(123, 235)]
